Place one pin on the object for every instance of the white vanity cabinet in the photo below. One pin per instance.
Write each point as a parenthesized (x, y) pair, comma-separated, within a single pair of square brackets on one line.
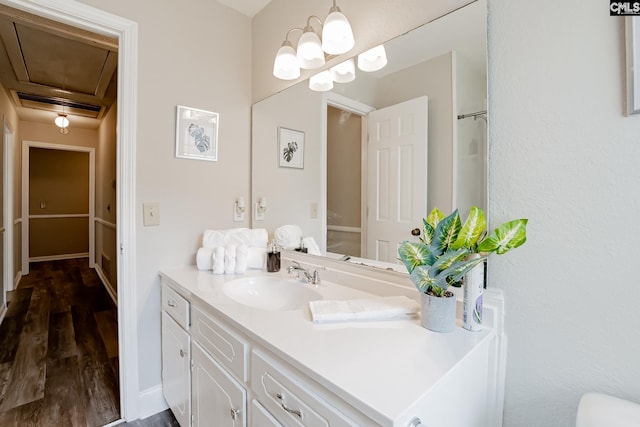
[(176, 355), (225, 364)]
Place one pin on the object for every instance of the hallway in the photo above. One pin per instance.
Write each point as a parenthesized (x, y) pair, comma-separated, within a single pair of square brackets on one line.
[(59, 349)]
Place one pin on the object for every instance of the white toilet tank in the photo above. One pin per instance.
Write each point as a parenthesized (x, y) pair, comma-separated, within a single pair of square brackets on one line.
[(601, 410)]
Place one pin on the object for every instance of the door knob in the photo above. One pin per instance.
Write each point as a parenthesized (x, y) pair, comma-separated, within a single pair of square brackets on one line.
[(415, 232)]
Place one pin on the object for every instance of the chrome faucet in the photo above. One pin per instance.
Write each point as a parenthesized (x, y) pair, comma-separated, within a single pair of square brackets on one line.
[(303, 273)]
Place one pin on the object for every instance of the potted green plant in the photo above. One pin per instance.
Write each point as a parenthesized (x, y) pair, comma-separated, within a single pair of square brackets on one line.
[(448, 249)]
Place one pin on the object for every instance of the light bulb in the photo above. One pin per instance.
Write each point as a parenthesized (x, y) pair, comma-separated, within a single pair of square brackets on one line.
[(310, 54), (61, 121), (337, 36)]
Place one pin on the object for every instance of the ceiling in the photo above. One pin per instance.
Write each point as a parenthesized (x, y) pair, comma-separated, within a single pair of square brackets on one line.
[(246, 7)]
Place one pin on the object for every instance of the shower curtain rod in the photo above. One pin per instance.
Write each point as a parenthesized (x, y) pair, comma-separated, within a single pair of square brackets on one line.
[(476, 114)]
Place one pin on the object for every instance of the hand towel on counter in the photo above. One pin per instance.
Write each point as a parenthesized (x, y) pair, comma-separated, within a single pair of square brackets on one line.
[(241, 258), (212, 238), (204, 258), (383, 308), (218, 260), (288, 236), (311, 245), (256, 258)]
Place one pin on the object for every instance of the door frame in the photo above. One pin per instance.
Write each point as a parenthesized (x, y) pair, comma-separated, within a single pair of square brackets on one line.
[(90, 18), (26, 166), (347, 104), (8, 136)]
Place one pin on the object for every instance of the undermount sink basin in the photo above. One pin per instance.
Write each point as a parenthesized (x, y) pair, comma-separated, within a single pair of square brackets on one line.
[(270, 293)]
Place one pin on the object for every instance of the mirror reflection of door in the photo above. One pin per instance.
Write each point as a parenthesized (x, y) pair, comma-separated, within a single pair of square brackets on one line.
[(397, 176)]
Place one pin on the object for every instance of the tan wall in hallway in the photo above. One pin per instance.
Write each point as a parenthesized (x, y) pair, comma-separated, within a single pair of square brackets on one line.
[(58, 185)]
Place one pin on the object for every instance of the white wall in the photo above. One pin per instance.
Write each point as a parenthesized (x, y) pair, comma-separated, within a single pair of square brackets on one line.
[(563, 154), (195, 53)]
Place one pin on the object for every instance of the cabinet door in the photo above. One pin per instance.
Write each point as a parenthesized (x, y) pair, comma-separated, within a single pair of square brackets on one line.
[(260, 417), (176, 372), (218, 399)]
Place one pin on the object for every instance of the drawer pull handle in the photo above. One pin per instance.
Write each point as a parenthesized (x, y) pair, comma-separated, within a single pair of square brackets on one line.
[(297, 412), (182, 353), (234, 414), (172, 303), (415, 422)]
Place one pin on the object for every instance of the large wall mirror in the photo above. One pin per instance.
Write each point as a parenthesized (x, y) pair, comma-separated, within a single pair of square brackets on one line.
[(378, 153)]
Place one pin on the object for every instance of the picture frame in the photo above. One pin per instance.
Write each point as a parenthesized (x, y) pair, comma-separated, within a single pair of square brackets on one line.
[(196, 134), (632, 39), (290, 148)]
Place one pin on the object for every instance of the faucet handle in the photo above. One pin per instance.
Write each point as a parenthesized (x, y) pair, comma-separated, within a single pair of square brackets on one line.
[(316, 278)]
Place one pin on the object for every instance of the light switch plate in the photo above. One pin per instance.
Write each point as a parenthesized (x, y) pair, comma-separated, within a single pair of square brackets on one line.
[(313, 210), (151, 214)]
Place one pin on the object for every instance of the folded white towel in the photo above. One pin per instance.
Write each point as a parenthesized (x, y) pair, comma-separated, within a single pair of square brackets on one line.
[(383, 308), (241, 258), (230, 259), (204, 259), (218, 260), (211, 238), (256, 237), (311, 245), (288, 236), (256, 258)]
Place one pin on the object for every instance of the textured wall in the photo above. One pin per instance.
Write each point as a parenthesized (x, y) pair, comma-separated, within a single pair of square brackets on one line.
[(563, 154)]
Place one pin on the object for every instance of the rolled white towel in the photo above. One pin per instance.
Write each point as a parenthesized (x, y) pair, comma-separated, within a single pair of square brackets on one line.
[(241, 259), (211, 238), (288, 236), (218, 260), (204, 258), (383, 308), (230, 259), (256, 258), (311, 245)]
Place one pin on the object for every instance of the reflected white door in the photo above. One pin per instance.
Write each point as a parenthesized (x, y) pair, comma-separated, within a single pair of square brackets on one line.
[(397, 176)]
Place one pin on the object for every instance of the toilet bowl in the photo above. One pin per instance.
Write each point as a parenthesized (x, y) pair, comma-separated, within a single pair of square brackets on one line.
[(601, 410)]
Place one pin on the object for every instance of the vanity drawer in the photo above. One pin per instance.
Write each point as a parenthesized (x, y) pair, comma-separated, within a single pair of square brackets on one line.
[(175, 305), (226, 347), (288, 398)]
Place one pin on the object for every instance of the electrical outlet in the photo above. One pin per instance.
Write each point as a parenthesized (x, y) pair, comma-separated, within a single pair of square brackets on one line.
[(151, 214), (313, 210)]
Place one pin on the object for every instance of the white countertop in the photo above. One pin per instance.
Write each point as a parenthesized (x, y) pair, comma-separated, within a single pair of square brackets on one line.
[(380, 368)]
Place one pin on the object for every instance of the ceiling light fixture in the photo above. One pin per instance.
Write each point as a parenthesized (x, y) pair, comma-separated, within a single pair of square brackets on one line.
[(337, 38), (62, 121), (322, 81), (344, 72)]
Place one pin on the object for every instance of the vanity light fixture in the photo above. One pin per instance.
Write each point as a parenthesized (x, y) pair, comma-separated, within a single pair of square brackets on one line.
[(239, 209), (337, 38), (262, 205), (373, 59), (344, 72), (322, 81)]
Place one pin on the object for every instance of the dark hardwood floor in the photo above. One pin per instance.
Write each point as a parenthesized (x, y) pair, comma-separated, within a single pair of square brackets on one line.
[(59, 351)]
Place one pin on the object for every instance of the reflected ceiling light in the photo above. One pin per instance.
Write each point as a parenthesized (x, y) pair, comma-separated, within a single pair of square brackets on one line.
[(337, 36), (373, 59), (344, 72), (321, 82), (310, 54)]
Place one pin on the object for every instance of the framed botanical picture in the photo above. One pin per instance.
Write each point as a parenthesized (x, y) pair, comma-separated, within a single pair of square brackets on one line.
[(196, 134), (290, 148)]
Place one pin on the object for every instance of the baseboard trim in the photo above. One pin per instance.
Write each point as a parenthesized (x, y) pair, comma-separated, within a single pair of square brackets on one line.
[(3, 311), (58, 257), (150, 402), (107, 284)]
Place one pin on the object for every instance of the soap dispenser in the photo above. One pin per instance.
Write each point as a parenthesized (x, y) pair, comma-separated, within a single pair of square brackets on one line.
[(273, 257)]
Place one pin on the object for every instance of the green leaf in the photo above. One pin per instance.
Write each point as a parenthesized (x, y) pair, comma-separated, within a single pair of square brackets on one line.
[(434, 217), (457, 270), (471, 230), (420, 277), (447, 259), (446, 233), (414, 254), (427, 232), (508, 236)]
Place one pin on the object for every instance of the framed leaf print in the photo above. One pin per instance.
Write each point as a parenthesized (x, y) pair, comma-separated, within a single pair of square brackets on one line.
[(290, 148), (196, 134)]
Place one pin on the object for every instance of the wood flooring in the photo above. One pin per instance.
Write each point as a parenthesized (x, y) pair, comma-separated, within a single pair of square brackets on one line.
[(59, 351)]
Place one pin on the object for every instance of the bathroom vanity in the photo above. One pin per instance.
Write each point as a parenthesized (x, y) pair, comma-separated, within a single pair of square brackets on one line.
[(227, 360)]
